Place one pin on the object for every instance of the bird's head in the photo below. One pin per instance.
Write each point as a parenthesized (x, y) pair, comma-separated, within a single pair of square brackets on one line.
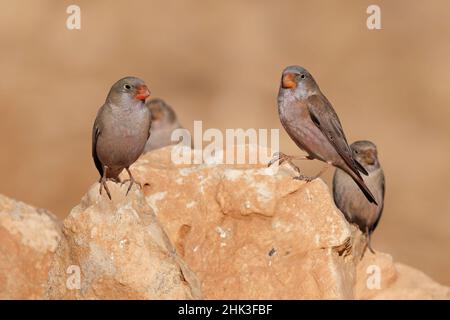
[(161, 112), (365, 152), (298, 80), (128, 89)]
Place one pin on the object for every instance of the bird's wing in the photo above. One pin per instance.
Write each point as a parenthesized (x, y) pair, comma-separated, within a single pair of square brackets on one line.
[(326, 119), (95, 134)]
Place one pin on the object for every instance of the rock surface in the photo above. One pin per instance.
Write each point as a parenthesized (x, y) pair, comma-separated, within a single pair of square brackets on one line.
[(28, 239), (199, 231), (397, 281), (250, 232), (117, 250)]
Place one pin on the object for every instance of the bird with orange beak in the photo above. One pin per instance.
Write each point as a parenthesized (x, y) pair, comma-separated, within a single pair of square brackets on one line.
[(164, 123), (311, 122), (121, 130)]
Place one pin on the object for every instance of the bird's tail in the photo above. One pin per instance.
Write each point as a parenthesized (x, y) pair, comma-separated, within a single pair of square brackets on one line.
[(360, 182)]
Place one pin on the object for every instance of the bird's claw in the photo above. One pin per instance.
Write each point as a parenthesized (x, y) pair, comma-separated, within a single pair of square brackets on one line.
[(105, 186), (302, 177), (281, 158), (132, 181), (271, 162), (369, 246), (278, 156)]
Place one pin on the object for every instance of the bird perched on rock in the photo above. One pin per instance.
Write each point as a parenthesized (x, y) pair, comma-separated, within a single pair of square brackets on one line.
[(310, 120), (348, 197), (164, 122), (121, 130)]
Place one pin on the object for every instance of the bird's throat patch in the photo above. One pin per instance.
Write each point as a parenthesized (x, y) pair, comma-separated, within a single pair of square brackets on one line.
[(289, 81)]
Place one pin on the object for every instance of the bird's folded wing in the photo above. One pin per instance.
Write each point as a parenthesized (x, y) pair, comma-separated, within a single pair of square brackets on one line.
[(95, 134), (326, 119)]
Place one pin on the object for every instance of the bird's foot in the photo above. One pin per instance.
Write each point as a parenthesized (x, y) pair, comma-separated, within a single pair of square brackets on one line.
[(281, 158), (105, 186), (364, 250), (367, 244), (302, 177), (131, 181), (278, 156), (309, 179)]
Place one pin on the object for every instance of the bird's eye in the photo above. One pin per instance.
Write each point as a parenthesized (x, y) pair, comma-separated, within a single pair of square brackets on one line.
[(302, 76), (127, 86)]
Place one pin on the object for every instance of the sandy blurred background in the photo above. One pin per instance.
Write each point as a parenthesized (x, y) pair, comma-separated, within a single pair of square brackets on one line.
[(220, 62)]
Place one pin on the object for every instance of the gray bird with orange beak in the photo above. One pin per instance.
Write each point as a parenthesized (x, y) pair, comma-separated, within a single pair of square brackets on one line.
[(121, 130), (164, 122), (351, 201), (311, 122)]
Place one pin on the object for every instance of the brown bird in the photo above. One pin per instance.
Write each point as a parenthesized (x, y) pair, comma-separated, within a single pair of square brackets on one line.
[(164, 122), (310, 120), (121, 130), (351, 201)]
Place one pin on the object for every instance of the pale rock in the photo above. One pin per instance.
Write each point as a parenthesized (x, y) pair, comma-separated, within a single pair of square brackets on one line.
[(117, 250), (28, 239), (252, 232), (379, 277), (238, 232)]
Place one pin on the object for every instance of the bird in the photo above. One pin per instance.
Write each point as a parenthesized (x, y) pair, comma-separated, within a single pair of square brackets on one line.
[(164, 122), (311, 122), (120, 130), (351, 201)]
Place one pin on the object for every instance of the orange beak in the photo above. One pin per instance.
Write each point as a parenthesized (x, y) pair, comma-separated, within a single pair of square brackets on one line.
[(142, 93), (289, 81)]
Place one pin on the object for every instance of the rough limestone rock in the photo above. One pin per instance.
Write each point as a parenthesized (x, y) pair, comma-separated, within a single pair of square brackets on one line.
[(117, 250), (28, 239), (199, 231), (397, 281), (251, 232)]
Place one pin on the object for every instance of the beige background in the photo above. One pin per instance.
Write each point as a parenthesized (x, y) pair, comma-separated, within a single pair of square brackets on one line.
[(220, 62)]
